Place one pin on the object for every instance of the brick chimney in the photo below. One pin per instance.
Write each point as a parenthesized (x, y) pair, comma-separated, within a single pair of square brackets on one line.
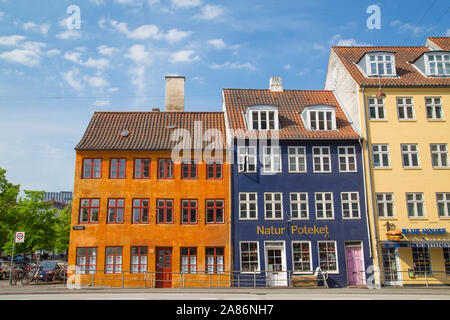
[(174, 93), (275, 84)]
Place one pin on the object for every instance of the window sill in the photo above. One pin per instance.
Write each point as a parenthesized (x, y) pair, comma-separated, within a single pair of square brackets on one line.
[(379, 120), (412, 168), (387, 218), (436, 120), (407, 120), (441, 168), (382, 168)]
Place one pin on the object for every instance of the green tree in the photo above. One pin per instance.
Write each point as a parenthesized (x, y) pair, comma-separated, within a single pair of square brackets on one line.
[(8, 201), (62, 229)]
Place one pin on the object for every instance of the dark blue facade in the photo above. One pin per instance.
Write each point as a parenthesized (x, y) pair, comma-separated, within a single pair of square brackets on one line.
[(344, 233)]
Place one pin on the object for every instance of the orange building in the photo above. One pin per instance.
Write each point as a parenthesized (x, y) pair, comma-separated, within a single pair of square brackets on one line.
[(144, 218)]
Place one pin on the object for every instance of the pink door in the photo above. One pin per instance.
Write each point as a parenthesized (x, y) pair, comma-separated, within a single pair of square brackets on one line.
[(355, 272)]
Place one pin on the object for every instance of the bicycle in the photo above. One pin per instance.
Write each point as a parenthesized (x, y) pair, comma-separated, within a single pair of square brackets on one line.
[(17, 275), (31, 274)]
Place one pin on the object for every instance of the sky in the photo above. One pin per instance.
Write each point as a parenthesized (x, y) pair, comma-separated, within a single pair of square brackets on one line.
[(62, 60)]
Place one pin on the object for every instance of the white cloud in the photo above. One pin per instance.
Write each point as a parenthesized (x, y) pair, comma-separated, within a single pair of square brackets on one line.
[(101, 103), (142, 59), (287, 67), (183, 56), (73, 78), (96, 81), (107, 51), (11, 40), (408, 28), (69, 35), (91, 63), (447, 34), (217, 43), (139, 55), (233, 65), (186, 3), (97, 2), (31, 26), (304, 72), (53, 52), (210, 12), (150, 31), (337, 40)]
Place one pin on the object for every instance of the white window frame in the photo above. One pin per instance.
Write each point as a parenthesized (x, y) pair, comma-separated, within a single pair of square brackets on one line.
[(350, 202), (432, 59), (320, 157), (272, 202), (441, 154), (376, 105), (434, 103), (380, 153), (324, 203), (271, 159), (346, 156), (299, 154), (260, 110), (244, 159), (310, 271), (257, 253), (335, 253), (247, 203), (403, 105), (410, 155), (385, 204), (299, 202), (445, 202), (380, 59), (416, 202)]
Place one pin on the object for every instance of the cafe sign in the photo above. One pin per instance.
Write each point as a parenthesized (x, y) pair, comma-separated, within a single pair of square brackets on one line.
[(425, 231), (292, 230)]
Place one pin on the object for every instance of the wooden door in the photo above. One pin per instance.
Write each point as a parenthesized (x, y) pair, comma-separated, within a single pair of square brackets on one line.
[(355, 271), (163, 267)]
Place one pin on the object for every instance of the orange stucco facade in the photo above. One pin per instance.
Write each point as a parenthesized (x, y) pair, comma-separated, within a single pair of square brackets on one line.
[(151, 235)]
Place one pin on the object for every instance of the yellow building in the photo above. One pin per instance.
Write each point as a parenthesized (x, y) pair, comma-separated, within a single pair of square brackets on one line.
[(398, 98)]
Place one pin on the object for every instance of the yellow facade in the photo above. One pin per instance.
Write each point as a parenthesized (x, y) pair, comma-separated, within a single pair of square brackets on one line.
[(398, 180)]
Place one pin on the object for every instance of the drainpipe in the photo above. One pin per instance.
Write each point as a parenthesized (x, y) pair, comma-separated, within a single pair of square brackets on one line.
[(230, 217), (370, 186)]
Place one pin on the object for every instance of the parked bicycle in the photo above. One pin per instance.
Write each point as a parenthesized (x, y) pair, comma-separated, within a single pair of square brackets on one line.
[(31, 274)]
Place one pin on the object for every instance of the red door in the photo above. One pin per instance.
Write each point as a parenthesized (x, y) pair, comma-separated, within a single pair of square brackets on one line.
[(163, 267), (355, 272)]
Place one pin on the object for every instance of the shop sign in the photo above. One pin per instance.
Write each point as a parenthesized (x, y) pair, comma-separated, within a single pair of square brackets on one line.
[(424, 231), (78, 227), (293, 230)]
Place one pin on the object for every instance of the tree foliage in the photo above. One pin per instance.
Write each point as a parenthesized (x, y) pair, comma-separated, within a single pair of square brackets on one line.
[(45, 228)]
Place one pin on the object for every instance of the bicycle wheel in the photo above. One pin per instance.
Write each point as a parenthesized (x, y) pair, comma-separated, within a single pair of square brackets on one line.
[(25, 279)]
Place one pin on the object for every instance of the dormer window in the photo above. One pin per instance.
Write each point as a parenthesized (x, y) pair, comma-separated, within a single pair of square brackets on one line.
[(262, 118), (380, 64), (319, 118), (438, 64)]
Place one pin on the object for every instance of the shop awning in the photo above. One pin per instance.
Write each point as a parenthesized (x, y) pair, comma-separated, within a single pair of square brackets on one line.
[(415, 244)]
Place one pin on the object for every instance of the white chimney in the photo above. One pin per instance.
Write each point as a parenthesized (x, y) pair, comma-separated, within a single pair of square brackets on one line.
[(275, 84), (174, 93)]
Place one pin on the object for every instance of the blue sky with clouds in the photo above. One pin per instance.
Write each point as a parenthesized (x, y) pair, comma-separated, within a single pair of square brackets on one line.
[(53, 78)]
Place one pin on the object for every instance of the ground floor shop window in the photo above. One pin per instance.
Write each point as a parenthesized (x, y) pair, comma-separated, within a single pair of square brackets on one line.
[(301, 256), (327, 256), (249, 257), (86, 260), (447, 261), (113, 260), (421, 261), (189, 260), (215, 260), (138, 259)]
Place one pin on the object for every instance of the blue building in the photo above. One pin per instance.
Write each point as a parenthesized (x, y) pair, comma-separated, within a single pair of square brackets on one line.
[(298, 199)]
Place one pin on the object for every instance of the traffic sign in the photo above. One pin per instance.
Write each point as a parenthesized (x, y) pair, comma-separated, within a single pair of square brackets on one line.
[(19, 237)]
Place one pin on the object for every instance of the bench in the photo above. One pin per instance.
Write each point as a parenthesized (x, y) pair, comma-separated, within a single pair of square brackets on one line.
[(304, 280)]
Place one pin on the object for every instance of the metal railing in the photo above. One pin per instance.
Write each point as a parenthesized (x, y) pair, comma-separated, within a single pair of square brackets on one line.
[(411, 277)]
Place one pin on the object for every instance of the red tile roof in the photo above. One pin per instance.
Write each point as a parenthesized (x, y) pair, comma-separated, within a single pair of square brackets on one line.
[(407, 75), (147, 130), (290, 104), (442, 42)]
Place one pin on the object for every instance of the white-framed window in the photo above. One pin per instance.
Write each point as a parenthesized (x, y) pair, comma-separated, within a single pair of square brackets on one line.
[(321, 159), (247, 159), (376, 109), (321, 120), (272, 159), (262, 118), (434, 108), (380, 156), (328, 260), (248, 205), (299, 205), (301, 256), (439, 155), (438, 64), (405, 108), (350, 205), (415, 205), (249, 256), (297, 159), (273, 205), (347, 159), (410, 155), (380, 64), (443, 203), (324, 205), (385, 205)]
